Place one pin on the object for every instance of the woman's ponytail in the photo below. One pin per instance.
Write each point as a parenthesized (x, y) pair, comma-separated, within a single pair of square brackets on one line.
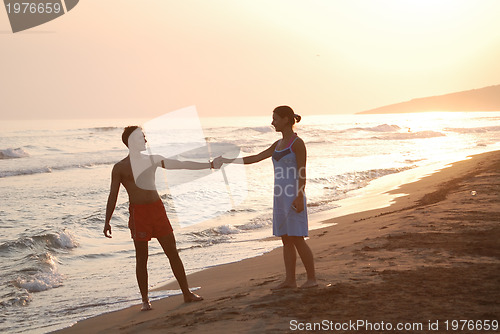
[(286, 111)]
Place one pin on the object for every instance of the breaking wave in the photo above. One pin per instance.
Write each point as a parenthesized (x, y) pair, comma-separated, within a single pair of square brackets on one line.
[(53, 241), (411, 135), (378, 128), (41, 170), (483, 129), (13, 153)]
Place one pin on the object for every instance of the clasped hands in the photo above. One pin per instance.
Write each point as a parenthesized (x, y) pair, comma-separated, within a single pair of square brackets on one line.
[(217, 162)]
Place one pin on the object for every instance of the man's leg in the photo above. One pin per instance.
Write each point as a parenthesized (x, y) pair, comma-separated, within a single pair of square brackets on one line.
[(290, 258), (307, 258), (141, 268), (170, 248)]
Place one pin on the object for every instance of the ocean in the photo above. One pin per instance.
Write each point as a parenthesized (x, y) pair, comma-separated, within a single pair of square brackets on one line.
[(57, 267)]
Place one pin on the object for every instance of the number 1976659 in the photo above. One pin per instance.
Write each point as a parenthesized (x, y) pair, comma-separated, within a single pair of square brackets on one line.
[(471, 325), (33, 8)]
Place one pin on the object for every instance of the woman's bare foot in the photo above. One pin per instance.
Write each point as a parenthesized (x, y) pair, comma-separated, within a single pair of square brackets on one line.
[(310, 283), (285, 285), (192, 297)]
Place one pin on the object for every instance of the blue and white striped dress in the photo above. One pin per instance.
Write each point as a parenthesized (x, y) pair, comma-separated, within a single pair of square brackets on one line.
[(286, 181)]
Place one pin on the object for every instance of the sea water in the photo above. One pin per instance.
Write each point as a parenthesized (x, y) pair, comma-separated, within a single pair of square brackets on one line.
[(57, 267)]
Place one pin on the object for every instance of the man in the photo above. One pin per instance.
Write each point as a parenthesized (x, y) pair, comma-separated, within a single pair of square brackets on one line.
[(148, 218)]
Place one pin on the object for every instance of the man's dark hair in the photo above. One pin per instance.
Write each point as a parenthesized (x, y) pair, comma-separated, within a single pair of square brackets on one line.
[(127, 132)]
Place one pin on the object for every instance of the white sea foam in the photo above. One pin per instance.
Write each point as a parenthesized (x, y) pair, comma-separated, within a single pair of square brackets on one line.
[(255, 224), (30, 170), (18, 298), (261, 129), (46, 278), (227, 229), (40, 282), (65, 239), (377, 128), (411, 135), (13, 153), (483, 129), (382, 128)]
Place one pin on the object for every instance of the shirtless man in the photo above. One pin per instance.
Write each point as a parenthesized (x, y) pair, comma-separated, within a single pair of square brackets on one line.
[(148, 218)]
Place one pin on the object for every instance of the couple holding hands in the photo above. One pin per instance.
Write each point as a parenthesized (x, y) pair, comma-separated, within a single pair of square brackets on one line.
[(148, 218)]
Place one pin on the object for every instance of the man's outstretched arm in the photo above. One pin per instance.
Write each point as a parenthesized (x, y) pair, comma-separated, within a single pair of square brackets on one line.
[(112, 198), (177, 164)]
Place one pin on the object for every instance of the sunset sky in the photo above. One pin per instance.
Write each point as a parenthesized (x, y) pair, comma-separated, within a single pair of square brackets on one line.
[(124, 59)]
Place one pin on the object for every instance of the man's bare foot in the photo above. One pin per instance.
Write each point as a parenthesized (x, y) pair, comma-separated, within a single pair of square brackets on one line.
[(146, 306), (285, 285), (192, 297), (310, 283)]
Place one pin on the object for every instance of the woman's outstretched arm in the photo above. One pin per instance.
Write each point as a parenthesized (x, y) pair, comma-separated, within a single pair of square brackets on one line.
[(253, 158)]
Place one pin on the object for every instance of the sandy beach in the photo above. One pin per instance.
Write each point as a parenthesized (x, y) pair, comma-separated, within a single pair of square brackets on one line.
[(430, 259)]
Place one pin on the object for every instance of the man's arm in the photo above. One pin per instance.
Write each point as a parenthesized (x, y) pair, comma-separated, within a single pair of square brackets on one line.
[(112, 198), (177, 164)]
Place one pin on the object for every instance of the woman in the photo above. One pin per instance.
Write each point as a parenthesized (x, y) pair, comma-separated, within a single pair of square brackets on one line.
[(289, 206)]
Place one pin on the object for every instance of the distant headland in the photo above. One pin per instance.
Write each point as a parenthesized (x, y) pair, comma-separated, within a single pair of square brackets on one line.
[(482, 99)]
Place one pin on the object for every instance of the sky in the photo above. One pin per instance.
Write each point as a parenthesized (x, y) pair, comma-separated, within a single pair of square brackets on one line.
[(140, 59)]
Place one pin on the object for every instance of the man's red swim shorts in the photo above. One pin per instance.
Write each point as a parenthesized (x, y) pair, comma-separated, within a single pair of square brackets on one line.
[(148, 221)]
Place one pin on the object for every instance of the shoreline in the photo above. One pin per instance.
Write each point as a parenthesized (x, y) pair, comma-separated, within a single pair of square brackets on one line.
[(368, 253)]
